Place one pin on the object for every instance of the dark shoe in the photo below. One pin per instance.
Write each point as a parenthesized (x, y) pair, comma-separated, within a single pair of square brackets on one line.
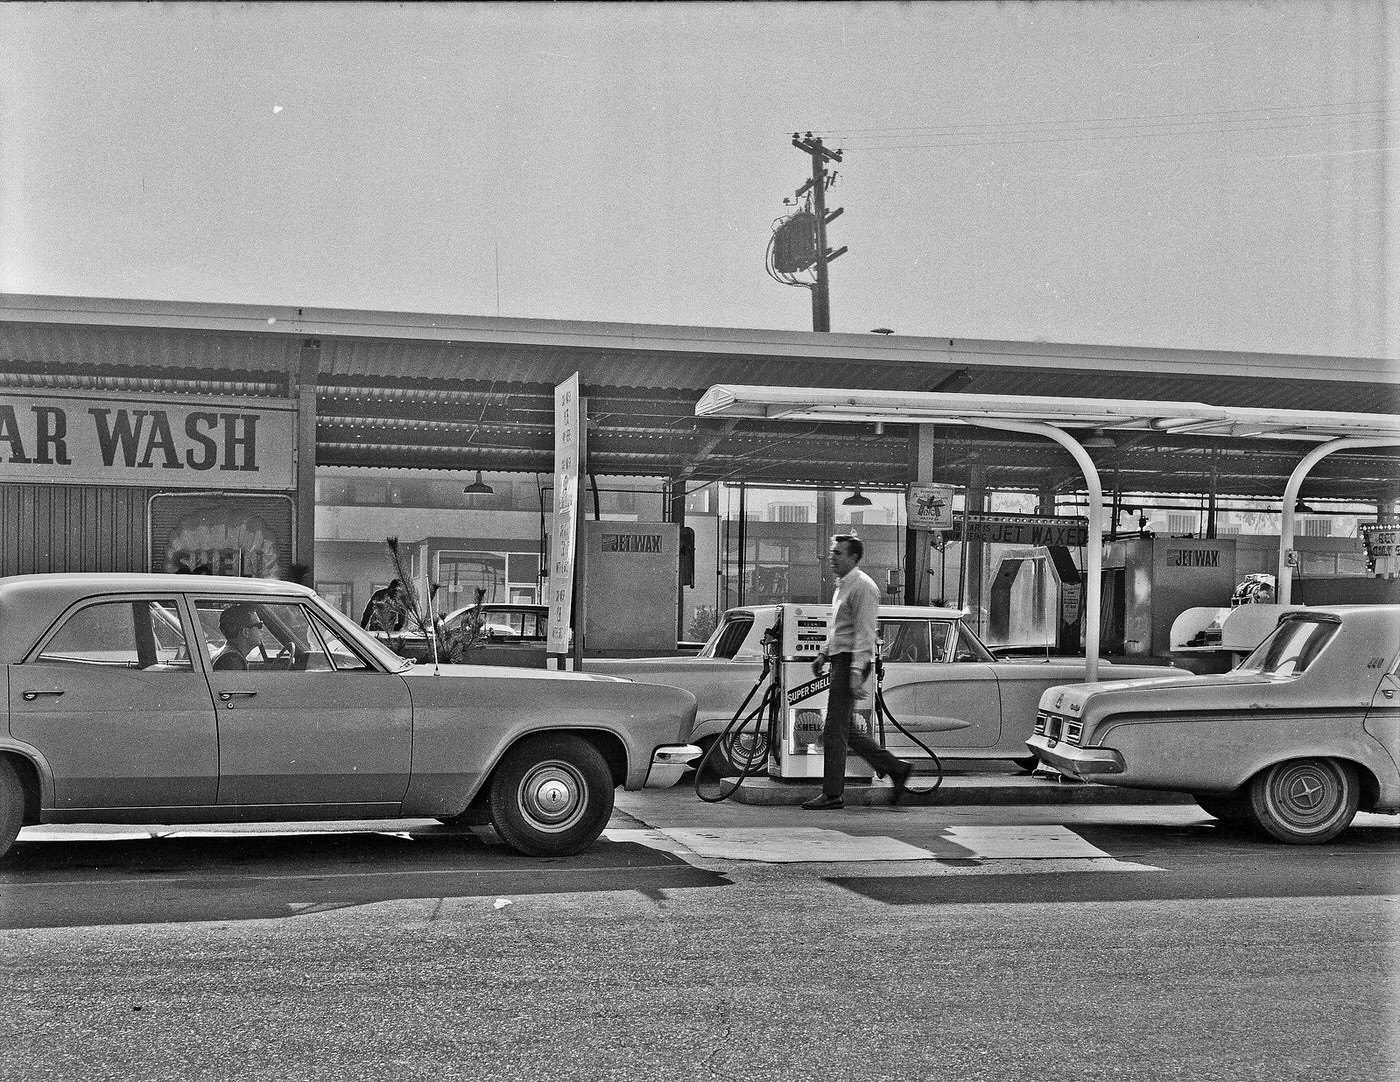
[(901, 781), (822, 803)]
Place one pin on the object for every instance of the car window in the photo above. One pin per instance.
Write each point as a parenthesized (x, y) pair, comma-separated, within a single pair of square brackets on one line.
[(906, 640), (941, 634), (728, 637), (969, 648), (1291, 648), (261, 636), (147, 634), (342, 656)]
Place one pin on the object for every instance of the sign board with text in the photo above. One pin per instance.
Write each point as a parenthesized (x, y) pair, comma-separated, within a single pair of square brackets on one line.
[(161, 441), (1022, 530), (1382, 541), (563, 539), (930, 507)]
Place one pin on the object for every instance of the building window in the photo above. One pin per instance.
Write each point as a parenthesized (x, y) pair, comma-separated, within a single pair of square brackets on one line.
[(462, 574), (1180, 525), (340, 595), (789, 512)]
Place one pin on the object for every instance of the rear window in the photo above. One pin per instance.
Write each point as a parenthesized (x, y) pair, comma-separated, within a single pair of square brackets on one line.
[(728, 637), (1294, 645)]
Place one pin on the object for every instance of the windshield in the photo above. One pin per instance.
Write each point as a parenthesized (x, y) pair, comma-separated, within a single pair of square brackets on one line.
[(361, 638), (1292, 647)]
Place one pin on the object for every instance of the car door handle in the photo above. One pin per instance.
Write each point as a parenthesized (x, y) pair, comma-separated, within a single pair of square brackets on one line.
[(30, 696), (227, 695)]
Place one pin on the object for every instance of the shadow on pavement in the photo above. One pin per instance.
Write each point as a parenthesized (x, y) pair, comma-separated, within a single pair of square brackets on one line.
[(1210, 860), (59, 884)]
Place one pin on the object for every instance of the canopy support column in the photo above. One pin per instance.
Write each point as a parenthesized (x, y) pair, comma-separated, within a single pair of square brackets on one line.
[(1093, 557), (1283, 591)]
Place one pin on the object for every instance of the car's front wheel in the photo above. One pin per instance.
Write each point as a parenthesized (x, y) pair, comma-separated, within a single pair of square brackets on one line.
[(551, 796), (11, 805), (1305, 801)]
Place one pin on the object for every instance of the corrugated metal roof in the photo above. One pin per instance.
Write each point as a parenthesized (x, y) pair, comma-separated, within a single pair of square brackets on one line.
[(473, 392)]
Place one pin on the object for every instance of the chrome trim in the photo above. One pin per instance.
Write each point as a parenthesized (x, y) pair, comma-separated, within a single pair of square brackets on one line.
[(668, 763), (1077, 762)]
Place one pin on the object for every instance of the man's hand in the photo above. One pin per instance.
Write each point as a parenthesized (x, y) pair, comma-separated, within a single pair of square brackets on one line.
[(819, 664)]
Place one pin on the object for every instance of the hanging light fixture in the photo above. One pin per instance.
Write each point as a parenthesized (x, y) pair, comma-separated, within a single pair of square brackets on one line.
[(856, 499), (1098, 438), (478, 487)]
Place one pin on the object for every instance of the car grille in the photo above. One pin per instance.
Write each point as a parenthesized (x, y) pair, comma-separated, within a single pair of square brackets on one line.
[(1058, 728)]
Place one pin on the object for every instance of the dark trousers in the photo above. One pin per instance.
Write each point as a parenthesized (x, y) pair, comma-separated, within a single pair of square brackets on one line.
[(838, 733)]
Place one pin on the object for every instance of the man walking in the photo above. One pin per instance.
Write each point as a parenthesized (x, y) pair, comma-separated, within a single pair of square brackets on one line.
[(850, 649)]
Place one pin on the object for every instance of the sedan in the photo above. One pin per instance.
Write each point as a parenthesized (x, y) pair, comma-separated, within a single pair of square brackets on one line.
[(940, 681), (179, 698), (1297, 738)]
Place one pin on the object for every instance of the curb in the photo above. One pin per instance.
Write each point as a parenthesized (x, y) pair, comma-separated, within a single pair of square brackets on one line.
[(957, 790)]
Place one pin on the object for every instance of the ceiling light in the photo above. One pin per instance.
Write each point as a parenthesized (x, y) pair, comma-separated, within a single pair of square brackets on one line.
[(856, 499), (1097, 438), (1300, 508), (478, 487)]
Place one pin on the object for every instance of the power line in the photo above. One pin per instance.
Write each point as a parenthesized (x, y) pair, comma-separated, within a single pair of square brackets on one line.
[(1373, 105)]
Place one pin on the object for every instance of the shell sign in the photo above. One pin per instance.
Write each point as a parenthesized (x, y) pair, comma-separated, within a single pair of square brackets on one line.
[(224, 542)]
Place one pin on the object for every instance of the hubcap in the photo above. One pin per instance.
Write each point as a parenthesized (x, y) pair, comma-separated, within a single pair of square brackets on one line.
[(553, 796), (1306, 795)]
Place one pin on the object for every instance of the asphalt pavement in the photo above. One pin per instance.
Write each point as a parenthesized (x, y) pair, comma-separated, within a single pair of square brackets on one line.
[(1000, 942)]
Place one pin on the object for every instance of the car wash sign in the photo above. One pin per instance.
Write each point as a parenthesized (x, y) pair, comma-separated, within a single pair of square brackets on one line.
[(163, 441), (999, 529)]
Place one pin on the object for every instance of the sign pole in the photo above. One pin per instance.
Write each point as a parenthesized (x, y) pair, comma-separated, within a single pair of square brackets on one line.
[(563, 545)]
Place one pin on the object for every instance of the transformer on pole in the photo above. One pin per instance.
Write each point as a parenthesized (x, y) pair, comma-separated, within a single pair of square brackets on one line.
[(798, 248)]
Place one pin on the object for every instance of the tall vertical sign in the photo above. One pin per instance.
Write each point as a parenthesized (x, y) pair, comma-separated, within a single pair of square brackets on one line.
[(564, 536)]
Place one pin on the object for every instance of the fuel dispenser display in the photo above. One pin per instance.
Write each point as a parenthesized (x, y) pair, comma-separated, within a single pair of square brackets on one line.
[(782, 735)]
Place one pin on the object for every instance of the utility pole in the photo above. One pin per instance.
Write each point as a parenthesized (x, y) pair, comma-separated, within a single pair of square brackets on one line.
[(821, 296)]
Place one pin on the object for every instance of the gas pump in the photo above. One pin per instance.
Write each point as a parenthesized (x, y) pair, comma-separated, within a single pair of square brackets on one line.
[(799, 753), (783, 733)]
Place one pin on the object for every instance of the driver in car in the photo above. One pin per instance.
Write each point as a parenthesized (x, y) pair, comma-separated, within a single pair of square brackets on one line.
[(240, 625)]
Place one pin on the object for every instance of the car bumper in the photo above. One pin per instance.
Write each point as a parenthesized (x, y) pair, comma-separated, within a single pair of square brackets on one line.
[(1088, 764), (668, 763)]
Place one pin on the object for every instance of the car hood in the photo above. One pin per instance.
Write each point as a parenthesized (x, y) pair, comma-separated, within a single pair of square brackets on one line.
[(477, 672)]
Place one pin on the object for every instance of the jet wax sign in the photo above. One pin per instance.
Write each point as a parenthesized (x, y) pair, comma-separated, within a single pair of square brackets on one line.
[(157, 440)]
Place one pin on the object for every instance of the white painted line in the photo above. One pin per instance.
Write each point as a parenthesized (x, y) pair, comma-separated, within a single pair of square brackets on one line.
[(791, 845), (1027, 841)]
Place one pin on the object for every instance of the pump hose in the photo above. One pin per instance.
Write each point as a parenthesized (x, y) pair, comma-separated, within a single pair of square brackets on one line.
[(725, 742), (883, 713)]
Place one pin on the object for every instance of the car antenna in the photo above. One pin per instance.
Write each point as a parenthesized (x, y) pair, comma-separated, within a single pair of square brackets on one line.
[(432, 626)]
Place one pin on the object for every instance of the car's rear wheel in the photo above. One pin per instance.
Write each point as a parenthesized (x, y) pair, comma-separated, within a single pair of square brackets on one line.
[(743, 751), (551, 796), (1305, 801), (11, 805), (1231, 807)]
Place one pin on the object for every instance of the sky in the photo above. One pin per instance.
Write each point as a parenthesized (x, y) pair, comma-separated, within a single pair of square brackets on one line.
[(1215, 176)]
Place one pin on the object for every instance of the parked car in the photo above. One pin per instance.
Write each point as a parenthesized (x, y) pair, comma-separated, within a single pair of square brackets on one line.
[(182, 698), (515, 634), (941, 682), (1297, 738)]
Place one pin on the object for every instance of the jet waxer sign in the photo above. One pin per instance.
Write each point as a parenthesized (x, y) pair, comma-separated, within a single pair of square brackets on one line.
[(162, 441)]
